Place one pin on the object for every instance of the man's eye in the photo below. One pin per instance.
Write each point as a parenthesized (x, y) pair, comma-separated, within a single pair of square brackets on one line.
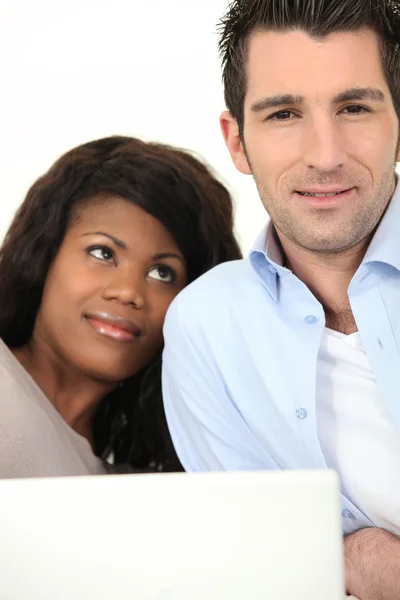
[(162, 273), (355, 110), (101, 253), (281, 115)]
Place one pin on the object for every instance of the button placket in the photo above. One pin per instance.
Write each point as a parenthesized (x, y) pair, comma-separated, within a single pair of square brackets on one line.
[(311, 320), (301, 413), (347, 514)]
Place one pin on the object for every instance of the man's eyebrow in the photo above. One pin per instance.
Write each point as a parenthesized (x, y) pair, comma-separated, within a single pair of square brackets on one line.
[(274, 101), (116, 241), (374, 94), (352, 94)]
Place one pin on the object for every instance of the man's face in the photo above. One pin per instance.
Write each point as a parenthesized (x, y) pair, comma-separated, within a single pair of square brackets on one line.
[(318, 119)]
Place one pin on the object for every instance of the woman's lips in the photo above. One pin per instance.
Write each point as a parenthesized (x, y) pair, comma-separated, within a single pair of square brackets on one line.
[(114, 326)]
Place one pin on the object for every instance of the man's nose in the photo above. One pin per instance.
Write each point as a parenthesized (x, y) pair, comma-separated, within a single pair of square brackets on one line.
[(324, 147)]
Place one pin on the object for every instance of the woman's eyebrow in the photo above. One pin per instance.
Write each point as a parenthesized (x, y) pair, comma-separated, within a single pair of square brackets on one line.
[(116, 241), (168, 255), (124, 246)]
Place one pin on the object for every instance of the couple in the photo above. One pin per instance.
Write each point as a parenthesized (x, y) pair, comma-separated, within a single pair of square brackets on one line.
[(287, 359)]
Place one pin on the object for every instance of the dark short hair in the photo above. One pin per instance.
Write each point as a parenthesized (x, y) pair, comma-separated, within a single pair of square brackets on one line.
[(171, 185), (317, 18)]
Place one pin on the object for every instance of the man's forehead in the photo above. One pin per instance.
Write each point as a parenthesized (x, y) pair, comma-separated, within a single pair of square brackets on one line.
[(265, 39), (292, 62)]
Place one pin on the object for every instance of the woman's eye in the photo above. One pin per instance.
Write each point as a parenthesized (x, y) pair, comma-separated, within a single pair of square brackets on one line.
[(101, 253), (161, 273)]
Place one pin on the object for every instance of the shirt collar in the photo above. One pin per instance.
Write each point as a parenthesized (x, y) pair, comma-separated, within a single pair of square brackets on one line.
[(385, 245), (267, 259)]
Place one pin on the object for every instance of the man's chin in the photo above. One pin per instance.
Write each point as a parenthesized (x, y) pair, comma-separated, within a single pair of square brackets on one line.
[(333, 241)]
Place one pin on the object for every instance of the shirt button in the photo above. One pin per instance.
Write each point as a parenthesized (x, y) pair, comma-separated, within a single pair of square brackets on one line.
[(347, 514), (301, 413), (311, 320)]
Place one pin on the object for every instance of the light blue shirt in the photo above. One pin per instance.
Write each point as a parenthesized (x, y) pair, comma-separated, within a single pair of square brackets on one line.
[(241, 347)]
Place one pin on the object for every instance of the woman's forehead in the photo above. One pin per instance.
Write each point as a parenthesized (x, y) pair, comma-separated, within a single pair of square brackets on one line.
[(123, 220)]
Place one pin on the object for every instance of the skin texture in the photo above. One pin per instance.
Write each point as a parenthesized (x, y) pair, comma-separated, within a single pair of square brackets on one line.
[(73, 362), (372, 558)]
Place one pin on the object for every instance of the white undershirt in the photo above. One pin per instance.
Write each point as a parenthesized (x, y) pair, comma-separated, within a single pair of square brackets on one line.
[(358, 436)]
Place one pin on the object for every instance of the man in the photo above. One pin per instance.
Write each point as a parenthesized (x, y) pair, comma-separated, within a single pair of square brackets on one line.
[(290, 359)]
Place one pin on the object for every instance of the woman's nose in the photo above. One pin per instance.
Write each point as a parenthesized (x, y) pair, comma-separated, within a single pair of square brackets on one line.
[(126, 288)]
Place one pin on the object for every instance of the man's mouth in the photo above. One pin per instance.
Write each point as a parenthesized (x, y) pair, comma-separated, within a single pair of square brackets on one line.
[(323, 194)]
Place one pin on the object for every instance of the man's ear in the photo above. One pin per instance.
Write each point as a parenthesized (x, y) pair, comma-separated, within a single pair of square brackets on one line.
[(230, 131)]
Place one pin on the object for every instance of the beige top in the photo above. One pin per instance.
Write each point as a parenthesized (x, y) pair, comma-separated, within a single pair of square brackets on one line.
[(35, 441)]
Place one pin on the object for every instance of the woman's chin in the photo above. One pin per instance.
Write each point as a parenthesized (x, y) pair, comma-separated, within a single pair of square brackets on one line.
[(109, 375)]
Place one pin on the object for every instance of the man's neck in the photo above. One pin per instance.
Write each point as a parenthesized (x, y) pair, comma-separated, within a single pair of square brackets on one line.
[(328, 276)]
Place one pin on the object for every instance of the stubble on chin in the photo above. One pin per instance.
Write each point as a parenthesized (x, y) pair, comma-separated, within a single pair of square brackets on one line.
[(323, 231)]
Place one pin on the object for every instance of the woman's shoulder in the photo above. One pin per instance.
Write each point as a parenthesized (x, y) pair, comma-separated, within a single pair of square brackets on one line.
[(14, 379), (34, 439), (7, 359), (16, 383)]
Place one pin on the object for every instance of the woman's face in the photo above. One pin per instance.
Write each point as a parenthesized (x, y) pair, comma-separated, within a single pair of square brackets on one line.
[(108, 289)]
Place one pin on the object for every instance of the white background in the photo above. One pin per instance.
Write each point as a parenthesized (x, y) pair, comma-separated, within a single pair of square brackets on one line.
[(78, 70)]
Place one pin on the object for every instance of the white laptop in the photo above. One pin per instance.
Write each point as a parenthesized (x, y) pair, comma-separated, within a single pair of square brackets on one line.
[(215, 536)]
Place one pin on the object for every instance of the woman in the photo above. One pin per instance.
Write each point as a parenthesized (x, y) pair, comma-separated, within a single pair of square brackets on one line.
[(96, 253)]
